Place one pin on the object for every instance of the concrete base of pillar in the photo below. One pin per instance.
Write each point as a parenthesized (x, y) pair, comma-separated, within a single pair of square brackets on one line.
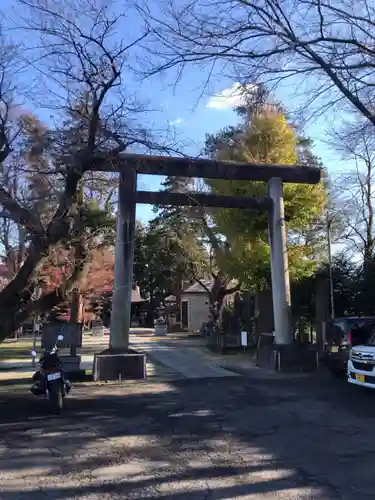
[(119, 364), (267, 357), (79, 376), (72, 369), (288, 358), (71, 363)]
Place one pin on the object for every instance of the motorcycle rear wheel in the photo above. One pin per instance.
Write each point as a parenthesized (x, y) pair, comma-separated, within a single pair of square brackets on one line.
[(56, 399)]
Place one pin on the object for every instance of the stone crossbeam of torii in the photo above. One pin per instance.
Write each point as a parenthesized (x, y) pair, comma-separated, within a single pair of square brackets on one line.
[(129, 165)]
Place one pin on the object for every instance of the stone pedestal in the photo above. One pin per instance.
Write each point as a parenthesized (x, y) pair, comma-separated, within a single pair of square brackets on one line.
[(71, 363), (297, 358), (288, 358), (72, 369), (267, 357), (117, 364)]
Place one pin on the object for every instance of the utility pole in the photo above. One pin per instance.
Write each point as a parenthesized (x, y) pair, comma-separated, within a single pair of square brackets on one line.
[(329, 245)]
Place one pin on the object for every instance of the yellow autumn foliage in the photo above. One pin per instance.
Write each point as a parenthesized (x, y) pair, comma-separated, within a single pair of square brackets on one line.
[(269, 139)]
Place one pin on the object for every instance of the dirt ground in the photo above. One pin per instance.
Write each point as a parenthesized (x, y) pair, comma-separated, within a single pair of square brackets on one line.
[(310, 438)]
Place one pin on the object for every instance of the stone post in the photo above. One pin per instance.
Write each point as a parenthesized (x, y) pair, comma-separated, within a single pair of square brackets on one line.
[(124, 254), (279, 265)]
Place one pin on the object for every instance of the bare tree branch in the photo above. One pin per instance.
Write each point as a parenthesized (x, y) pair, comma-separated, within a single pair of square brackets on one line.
[(355, 191), (328, 44), (20, 214), (79, 58)]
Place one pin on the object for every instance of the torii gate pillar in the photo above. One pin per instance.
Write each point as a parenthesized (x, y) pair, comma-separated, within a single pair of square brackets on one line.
[(279, 265), (124, 255)]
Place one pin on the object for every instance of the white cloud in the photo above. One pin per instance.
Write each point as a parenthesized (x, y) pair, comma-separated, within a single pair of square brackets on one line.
[(177, 121), (231, 97)]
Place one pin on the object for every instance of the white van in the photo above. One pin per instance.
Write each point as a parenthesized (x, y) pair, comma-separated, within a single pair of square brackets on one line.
[(361, 364)]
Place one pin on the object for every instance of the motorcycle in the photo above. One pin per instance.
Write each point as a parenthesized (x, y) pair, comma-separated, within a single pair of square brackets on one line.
[(50, 380)]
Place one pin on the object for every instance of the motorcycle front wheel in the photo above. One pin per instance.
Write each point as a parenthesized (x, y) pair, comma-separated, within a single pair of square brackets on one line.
[(55, 396)]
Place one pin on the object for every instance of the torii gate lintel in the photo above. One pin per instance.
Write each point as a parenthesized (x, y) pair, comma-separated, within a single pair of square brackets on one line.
[(275, 175)]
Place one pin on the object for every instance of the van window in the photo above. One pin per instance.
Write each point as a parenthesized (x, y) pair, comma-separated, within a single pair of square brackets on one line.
[(361, 330), (336, 332)]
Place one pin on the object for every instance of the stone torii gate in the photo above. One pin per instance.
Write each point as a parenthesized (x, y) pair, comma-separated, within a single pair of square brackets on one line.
[(129, 165)]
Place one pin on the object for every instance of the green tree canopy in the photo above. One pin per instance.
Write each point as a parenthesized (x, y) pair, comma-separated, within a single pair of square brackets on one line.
[(267, 138), (163, 259)]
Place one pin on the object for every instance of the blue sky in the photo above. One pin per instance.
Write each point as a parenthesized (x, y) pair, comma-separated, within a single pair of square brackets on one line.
[(194, 119), (187, 108), (191, 122)]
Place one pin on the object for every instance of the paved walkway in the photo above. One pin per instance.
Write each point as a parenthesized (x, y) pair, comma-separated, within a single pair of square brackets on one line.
[(172, 357), (181, 357)]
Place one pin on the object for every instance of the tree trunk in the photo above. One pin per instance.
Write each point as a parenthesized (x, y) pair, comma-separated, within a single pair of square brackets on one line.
[(13, 318), (178, 292), (264, 311), (217, 293), (76, 315), (216, 308), (76, 309), (16, 304)]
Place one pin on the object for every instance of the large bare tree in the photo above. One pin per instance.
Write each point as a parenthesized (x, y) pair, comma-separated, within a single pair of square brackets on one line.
[(324, 47), (79, 67), (354, 191)]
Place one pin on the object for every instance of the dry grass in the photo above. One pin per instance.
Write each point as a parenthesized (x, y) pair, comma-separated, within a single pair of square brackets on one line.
[(19, 349)]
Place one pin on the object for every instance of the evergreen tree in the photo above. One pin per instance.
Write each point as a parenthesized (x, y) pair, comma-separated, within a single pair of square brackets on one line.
[(174, 216), (267, 137)]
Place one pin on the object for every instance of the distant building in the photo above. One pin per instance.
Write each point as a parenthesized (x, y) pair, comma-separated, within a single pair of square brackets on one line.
[(195, 302)]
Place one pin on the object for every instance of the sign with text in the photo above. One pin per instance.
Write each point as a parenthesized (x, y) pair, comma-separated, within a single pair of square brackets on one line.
[(72, 334)]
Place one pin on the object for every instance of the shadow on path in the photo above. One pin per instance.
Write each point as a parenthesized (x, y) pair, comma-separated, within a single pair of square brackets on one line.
[(203, 439)]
